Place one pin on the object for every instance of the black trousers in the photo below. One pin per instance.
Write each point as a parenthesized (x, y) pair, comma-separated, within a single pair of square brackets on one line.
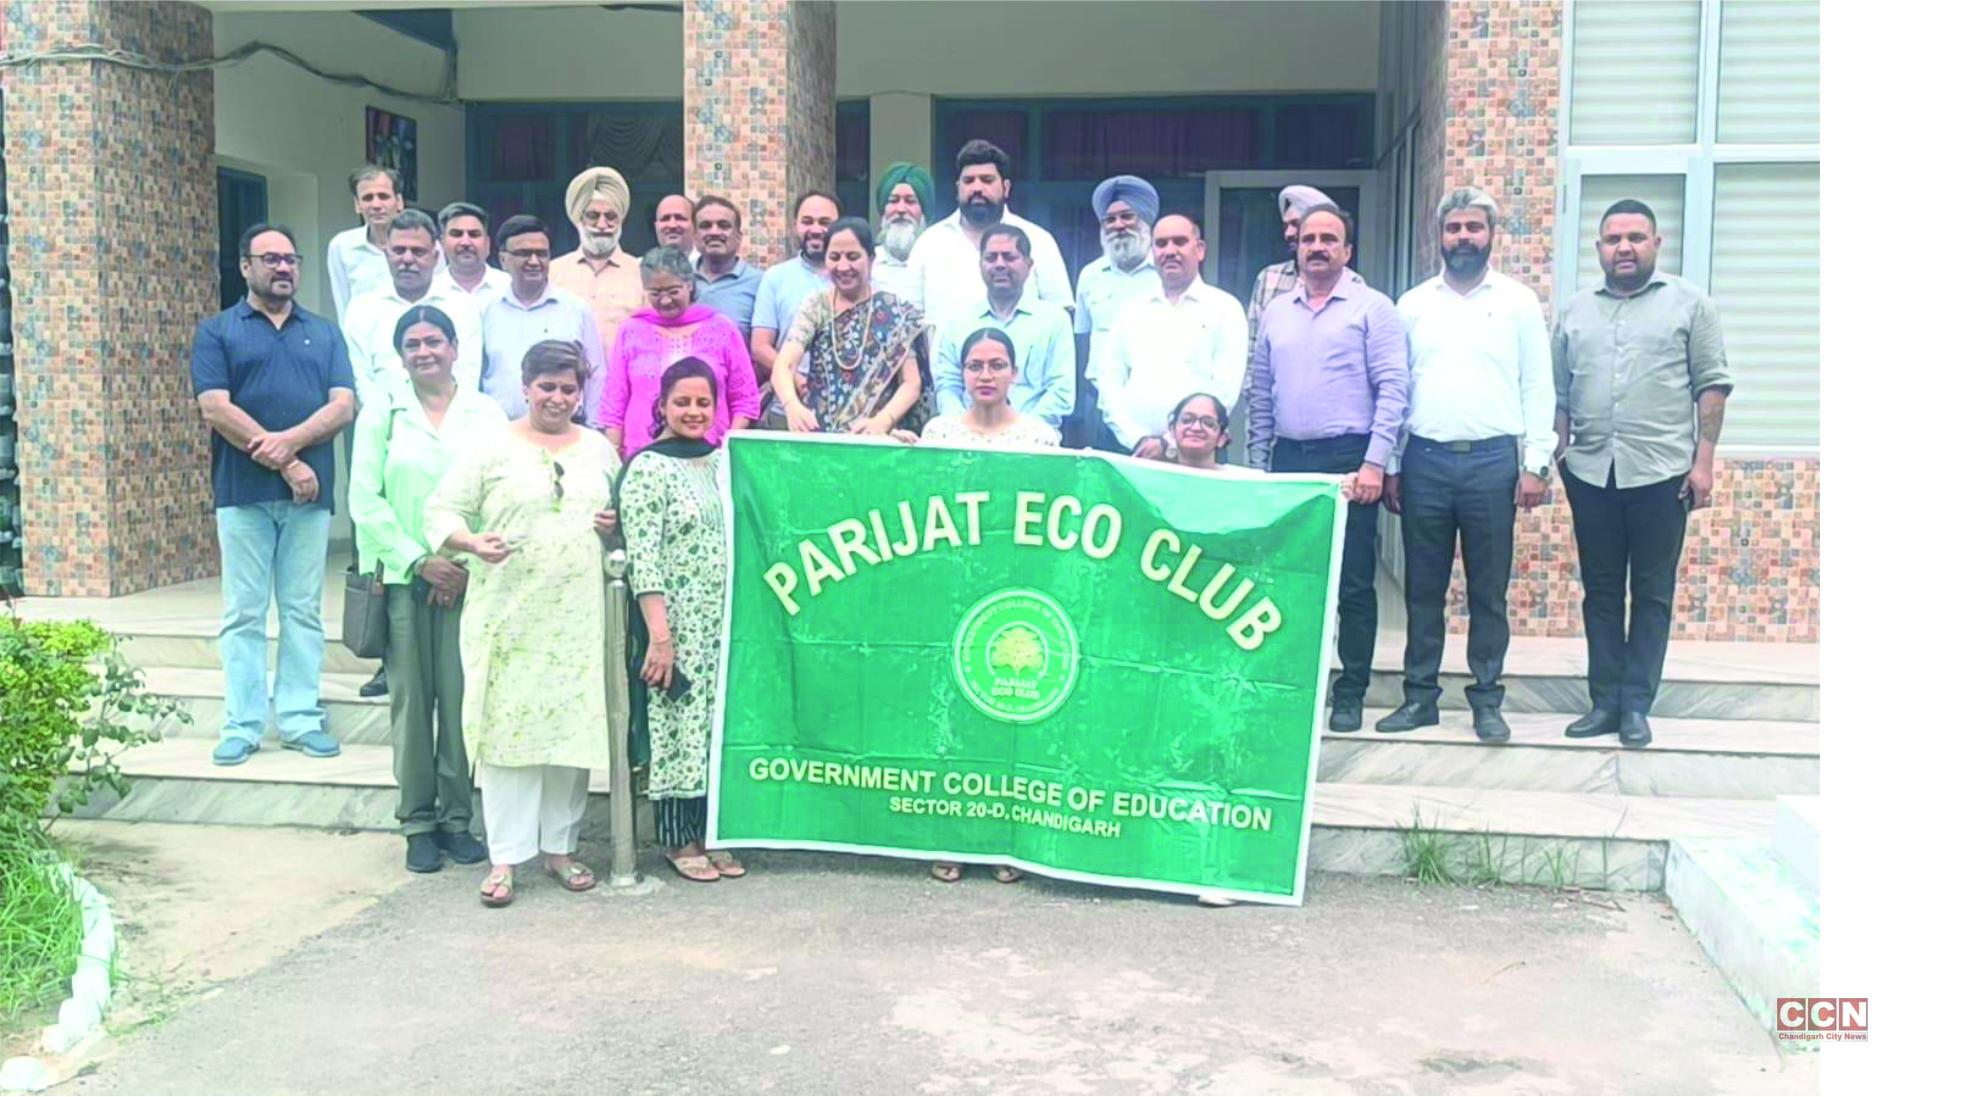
[(1461, 491), (1627, 536), (1358, 600)]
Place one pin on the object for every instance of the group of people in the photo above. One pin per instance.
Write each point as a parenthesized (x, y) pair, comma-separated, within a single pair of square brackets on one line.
[(512, 414)]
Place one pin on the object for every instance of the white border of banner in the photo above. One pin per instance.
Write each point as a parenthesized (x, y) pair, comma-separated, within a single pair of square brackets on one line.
[(1296, 896)]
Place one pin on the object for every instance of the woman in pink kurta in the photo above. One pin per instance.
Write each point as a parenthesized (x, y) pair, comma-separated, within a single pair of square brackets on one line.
[(672, 328)]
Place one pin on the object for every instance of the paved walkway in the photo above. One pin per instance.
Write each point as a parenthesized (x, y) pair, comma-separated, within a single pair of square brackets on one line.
[(833, 974)]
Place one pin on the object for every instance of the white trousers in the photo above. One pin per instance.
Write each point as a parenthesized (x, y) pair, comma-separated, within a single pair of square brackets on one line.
[(531, 808)]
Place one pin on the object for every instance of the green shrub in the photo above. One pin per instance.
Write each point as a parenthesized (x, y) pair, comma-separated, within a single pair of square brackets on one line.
[(70, 704), (40, 924)]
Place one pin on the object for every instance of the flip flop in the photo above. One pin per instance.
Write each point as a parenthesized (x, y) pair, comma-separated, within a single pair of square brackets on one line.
[(574, 876), (489, 891), (725, 863), (697, 868), (1006, 874), (946, 871)]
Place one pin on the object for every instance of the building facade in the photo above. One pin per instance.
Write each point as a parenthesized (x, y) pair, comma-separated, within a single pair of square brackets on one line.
[(122, 174)]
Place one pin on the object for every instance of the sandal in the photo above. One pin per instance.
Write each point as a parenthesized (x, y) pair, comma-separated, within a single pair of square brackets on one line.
[(1006, 875), (726, 863), (573, 876), (496, 891), (946, 871), (696, 868)]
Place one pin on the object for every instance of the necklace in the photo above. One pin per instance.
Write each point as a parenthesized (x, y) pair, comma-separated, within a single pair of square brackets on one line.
[(866, 342)]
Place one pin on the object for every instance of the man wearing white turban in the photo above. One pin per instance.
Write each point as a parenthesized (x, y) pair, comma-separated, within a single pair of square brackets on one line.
[(599, 272)]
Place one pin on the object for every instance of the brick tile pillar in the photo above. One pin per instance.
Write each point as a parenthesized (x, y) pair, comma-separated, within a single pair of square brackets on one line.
[(758, 108), (112, 202)]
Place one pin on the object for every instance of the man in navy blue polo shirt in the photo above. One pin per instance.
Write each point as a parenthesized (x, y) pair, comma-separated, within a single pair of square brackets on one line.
[(274, 383)]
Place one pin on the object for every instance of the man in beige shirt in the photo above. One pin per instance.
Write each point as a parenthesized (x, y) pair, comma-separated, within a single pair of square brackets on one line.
[(1641, 387), (599, 272)]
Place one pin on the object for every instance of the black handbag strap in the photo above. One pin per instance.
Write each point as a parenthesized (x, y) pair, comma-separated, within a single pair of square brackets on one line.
[(388, 432)]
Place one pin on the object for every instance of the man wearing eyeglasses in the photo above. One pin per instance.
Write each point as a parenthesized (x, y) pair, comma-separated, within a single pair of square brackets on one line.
[(273, 382), (599, 272), (1327, 393), (534, 309)]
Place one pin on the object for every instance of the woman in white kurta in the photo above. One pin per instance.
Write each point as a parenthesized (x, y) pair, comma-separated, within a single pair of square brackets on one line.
[(531, 505)]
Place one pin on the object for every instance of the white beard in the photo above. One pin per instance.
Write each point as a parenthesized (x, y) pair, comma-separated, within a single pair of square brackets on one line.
[(899, 235), (1125, 251), (598, 245)]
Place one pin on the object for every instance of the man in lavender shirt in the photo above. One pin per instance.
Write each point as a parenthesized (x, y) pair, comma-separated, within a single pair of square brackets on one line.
[(1327, 393)]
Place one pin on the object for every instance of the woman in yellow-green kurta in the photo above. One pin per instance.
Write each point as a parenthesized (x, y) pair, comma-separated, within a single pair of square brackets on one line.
[(531, 504)]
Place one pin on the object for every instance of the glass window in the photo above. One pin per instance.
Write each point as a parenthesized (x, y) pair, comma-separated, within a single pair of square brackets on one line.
[(1766, 284), (1770, 62), (1666, 194), (1635, 72)]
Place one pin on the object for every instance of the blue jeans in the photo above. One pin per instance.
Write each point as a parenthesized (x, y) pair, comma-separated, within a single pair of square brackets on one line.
[(274, 552)]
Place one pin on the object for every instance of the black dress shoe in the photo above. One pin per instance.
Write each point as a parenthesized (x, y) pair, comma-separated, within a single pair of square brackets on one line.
[(1346, 716), (1409, 716), (462, 847), (377, 686), (424, 854), (1634, 729), (1598, 721), (1489, 725)]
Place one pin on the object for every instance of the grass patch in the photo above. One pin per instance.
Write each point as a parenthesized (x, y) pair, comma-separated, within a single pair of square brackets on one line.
[(40, 924)]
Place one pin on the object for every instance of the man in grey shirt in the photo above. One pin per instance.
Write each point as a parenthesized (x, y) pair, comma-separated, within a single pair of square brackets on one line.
[(1641, 387)]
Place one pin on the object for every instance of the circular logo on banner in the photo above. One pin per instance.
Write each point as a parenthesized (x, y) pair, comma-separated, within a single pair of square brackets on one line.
[(1016, 655)]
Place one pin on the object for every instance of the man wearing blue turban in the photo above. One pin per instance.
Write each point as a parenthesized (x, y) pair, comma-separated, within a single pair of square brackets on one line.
[(1127, 207)]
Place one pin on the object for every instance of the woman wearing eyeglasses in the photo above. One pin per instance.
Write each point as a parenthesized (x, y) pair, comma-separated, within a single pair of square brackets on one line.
[(531, 505), (1200, 427), (673, 327)]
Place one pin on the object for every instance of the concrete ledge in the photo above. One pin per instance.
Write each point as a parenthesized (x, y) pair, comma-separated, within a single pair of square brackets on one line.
[(1756, 919)]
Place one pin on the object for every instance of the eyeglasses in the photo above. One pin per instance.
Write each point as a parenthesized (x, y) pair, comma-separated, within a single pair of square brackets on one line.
[(668, 293), (980, 365), (530, 253), (1206, 422), (277, 260)]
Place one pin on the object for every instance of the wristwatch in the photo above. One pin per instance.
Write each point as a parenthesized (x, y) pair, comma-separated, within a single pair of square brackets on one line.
[(1539, 473)]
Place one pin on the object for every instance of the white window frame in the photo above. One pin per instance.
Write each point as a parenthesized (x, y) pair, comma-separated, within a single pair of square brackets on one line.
[(1695, 161)]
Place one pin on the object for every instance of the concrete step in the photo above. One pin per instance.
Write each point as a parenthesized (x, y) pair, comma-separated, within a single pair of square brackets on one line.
[(1798, 837), (1724, 758), (1756, 917), (197, 650), (1596, 840)]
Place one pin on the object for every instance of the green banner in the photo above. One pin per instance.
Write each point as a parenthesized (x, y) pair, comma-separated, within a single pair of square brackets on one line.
[(1086, 666)]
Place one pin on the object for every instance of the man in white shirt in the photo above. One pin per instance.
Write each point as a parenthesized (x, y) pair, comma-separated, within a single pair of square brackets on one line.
[(1480, 430), (370, 327), (463, 230), (674, 223), (946, 253), (530, 310), (904, 197), (1187, 338), (356, 264), (1127, 207)]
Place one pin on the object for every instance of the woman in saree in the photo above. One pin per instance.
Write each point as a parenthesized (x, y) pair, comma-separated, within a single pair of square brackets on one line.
[(531, 504), (866, 349)]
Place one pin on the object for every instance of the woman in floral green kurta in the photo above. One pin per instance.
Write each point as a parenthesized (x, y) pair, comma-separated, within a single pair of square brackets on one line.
[(528, 504), (672, 517)]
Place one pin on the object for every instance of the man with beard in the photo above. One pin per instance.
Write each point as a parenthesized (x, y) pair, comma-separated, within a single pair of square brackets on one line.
[(1184, 338), (1127, 207), (1040, 330), (724, 281), (533, 309), (599, 272), (904, 198), (946, 253), (1327, 393), (675, 224), (788, 283), (466, 237), (1641, 387), (273, 383), (371, 325), (356, 264), (1477, 448)]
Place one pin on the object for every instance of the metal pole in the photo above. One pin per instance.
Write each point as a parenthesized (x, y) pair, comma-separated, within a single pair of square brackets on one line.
[(621, 798)]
